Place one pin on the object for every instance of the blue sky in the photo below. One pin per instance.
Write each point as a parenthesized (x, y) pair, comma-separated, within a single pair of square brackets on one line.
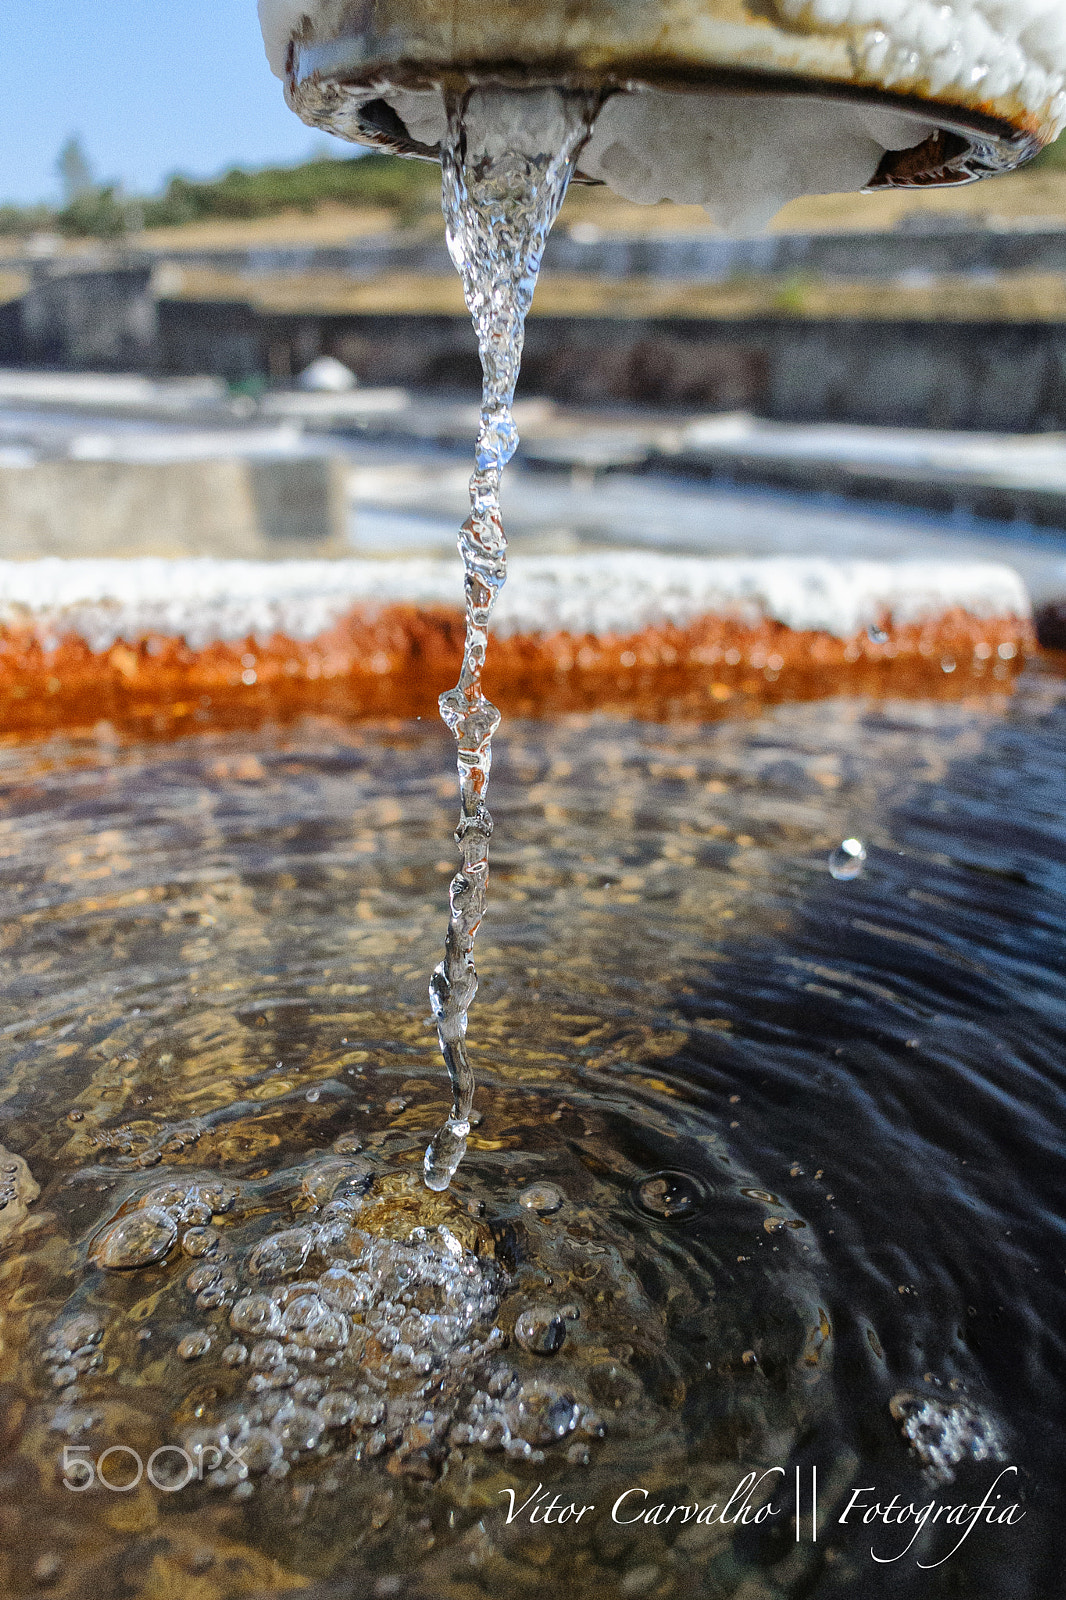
[(151, 87)]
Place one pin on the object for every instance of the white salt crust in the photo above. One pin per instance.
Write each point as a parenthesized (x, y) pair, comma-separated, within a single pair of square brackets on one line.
[(697, 149), (743, 157), (208, 601)]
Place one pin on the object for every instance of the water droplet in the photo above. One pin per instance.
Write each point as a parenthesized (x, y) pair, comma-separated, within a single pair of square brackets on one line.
[(444, 1155), (540, 1330), (543, 1198), (876, 635), (847, 861), (313, 1095), (136, 1240), (194, 1345), (235, 1354), (669, 1196)]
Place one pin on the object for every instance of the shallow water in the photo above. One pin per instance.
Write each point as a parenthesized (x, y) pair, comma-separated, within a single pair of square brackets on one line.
[(805, 1135)]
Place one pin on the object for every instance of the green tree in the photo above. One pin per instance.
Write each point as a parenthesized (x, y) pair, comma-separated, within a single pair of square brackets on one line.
[(75, 173)]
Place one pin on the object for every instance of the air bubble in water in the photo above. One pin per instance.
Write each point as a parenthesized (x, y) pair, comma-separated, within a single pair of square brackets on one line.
[(669, 1196), (199, 1241), (259, 1450), (543, 1198), (266, 1354), (282, 1254), (144, 1236), (202, 1277), (255, 1313), (301, 1430), (848, 860), (337, 1409), (542, 1413), (194, 1345), (540, 1330)]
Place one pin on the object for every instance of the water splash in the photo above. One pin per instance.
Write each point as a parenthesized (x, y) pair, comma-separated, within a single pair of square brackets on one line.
[(506, 162)]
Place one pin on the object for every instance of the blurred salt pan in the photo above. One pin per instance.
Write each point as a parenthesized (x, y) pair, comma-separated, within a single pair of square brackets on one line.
[(327, 375)]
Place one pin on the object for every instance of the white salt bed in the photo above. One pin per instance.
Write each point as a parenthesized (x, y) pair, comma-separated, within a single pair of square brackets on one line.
[(743, 157), (205, 601)]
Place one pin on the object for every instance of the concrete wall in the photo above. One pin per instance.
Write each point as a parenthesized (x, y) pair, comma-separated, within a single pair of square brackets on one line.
[(267, 509), (1000, 376), (700, 257), (106, 320), (997, 375)]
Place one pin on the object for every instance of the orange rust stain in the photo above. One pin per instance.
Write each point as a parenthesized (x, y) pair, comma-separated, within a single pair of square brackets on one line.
[(396, 660)]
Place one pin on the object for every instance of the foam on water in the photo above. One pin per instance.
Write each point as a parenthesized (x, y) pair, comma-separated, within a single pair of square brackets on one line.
[(507, 160)]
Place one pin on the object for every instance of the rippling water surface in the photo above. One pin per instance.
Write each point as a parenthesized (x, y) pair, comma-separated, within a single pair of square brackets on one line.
[(768, 1174)]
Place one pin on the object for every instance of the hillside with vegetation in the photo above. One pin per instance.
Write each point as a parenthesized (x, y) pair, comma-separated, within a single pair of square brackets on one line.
[(382, 182), (404, 193)]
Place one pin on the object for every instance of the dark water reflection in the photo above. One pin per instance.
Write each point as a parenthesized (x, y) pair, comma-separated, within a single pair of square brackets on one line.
[(808, 1135)]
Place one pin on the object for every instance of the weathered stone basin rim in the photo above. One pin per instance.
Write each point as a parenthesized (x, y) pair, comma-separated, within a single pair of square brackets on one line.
[(180, 642)]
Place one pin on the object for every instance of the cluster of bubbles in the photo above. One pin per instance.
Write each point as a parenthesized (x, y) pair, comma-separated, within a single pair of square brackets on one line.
[(388, 1347), (329, 1336), (9, 1174), (71, 1349), (944, 1433), (163, 1215)]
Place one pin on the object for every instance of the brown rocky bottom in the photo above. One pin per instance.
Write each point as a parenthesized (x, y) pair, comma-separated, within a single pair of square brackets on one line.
[(396, 661)]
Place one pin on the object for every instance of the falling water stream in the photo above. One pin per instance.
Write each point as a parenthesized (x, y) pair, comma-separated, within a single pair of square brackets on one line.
[(506, 162)]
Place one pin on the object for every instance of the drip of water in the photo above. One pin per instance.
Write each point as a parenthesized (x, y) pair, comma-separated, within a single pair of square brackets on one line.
[(507, 161)]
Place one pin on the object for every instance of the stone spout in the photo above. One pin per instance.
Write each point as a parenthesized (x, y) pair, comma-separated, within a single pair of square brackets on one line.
[(736, 104)]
